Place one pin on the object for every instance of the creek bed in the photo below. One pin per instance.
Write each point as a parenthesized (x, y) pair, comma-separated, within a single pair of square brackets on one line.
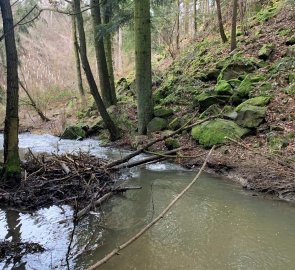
[(216, 225)]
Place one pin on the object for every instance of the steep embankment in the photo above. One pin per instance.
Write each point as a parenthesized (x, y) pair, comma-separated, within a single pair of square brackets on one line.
[(251, 90)]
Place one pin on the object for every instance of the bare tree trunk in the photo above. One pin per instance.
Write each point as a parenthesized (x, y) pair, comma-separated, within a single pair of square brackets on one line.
[(114, 132), (12, 170), (233, 43), (77, 57), (120, 46), (102, 68), (195, 18), (178, 24), (142, 26), (106, 17), (186, 16), (220, 24)]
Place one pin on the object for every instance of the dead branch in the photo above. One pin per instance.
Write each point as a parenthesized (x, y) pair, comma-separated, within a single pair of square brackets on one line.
[(33, 103), (146, 160), (143, 148), (160, 216)]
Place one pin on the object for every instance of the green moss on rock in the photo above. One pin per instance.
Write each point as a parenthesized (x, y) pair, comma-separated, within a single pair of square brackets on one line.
[(214, 132), (250, 116), (265, 52), (156, 124), (207, 99), (172, 143), (160, 111), (256, 101), (175, 124), (223, 88), (245, 88), (73, 133)]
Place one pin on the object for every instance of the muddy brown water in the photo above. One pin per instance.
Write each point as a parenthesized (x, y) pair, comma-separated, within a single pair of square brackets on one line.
[(216, 225)]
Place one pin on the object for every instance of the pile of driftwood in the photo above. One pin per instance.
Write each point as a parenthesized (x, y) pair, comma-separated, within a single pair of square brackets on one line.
[(83, 181), (63, 179)]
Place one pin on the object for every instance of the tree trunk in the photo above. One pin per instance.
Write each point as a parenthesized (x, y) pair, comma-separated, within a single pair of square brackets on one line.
[(114, 132), (220, 24), (102, 68), (233, 43), (77, 57), (195, 18), (106, 16), (177, 24), (12, 170), (186, 16), (143, 73)]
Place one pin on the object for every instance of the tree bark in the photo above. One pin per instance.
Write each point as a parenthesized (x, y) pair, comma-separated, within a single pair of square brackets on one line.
[(114, 132), (195, 18), (77, 57), (12, 170), (102, 68), (177, 24), (142, 26), (186, 16), (233, 43), (106, 16), (220, 24)]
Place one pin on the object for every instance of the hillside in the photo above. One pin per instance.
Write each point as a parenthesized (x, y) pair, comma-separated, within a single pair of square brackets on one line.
[(249, 96)]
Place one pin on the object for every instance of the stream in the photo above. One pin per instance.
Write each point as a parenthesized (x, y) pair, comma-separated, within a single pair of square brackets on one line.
[(216, 225)]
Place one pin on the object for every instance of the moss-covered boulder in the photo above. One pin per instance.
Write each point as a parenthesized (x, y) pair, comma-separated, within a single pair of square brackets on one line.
[(223, 88), (157, 124), (235, 83), (250, 116), (160, 111), (245, 88), (276, 141), (175, 123), (212, 110), (290, 41), (215, 131), (236, 67), (73, 133), (265, 52), (256, 101), (172, 143), (207, 99), (210, 75)]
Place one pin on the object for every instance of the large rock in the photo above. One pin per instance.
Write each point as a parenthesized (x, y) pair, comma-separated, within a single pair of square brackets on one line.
[(175, 123), (214, 132), (265, 52), (236, 69), (156, 124), (212, 110), (162, 112), (223, 88), (205, 100), (73, 133), (256, 101), (250, 116), (244, 88)]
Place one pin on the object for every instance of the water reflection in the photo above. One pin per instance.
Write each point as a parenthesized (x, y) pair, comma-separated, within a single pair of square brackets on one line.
[(216, 225)]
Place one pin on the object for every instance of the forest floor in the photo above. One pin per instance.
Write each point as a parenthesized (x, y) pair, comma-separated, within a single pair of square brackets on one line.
[(255, 161)]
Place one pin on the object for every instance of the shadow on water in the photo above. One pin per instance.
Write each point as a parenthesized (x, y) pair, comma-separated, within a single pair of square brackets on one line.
[(216, 225)]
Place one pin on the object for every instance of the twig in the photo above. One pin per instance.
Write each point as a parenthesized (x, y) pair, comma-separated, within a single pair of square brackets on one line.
[(147, 227), (145, 160), (141, 150)]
